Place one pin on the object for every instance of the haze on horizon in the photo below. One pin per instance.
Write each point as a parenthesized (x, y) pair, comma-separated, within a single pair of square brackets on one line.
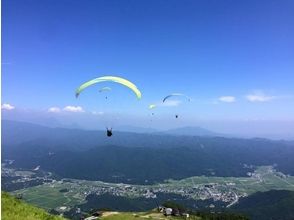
[(234, 58)]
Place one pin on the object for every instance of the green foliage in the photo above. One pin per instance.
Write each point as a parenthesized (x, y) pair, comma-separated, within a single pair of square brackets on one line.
[(105, 209), (63, 190), (14, 209), (119, 203), (220, 216), (124, 216), (274, 204), (156, 216)]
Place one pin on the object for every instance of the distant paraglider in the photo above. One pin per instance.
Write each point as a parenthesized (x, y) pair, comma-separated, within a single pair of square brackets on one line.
[(104, 89), (109, 132), (175, 95), (152, 106)]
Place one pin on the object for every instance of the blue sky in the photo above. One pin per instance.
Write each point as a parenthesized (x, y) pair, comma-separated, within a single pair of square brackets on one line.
[(206, 49)]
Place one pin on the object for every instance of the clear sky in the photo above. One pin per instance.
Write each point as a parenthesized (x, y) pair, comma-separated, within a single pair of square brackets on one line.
[(234, 58)]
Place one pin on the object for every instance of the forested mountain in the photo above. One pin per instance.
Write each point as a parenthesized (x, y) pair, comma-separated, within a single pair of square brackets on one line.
[(138, 158), (274, 204)]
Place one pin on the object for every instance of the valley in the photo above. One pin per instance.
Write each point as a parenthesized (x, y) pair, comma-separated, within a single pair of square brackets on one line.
[(64, 194)]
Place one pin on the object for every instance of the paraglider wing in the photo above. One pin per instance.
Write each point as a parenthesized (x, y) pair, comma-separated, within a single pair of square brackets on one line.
[(115, 79), (152, 106), (175, 94)]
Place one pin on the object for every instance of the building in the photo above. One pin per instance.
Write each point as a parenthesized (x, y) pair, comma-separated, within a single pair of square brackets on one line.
[(167, 211)]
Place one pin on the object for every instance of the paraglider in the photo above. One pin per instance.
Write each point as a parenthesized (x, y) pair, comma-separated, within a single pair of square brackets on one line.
[(176, 94), (109, 132), (152, 106), (105, 89), (114, 79)]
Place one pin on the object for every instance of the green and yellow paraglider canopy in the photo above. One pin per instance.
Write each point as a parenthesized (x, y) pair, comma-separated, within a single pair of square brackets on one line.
[(152, 106), (115, 79)]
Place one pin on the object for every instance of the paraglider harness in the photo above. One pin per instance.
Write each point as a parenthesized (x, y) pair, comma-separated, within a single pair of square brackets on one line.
[(109, 132)]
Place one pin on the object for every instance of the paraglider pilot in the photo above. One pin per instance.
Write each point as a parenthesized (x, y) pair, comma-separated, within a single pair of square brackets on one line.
[(109, 132)]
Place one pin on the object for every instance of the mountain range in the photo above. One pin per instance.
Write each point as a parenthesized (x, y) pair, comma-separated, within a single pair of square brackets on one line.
[(125, 155)]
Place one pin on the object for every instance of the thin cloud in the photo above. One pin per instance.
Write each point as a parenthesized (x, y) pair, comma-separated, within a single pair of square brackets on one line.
[(228, 99), (54, 109), (97, 113), (259, 96), (70, 108), (7, 106)]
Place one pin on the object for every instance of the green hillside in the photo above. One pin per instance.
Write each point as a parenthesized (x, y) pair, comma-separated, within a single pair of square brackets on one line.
[(159, 216), (139, 216), (273, 204), (13, 208)]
